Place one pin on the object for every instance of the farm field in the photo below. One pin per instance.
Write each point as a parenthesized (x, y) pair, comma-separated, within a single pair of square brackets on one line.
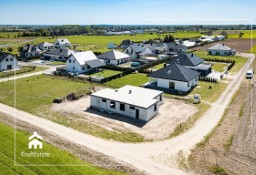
[(131, 79), (35, 95), (57, 157), (5, 34)]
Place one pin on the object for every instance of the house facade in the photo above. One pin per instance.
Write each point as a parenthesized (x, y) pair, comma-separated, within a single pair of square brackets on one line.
[(45, 46), (221, 49), (175, 78), (82, 62), (134, 50), (114, 57), (62, 43), (134, 102), (7, 61), (59, 54), (29, 51)]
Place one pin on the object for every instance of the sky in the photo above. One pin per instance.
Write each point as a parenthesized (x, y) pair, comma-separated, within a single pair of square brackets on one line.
[(138, 12)]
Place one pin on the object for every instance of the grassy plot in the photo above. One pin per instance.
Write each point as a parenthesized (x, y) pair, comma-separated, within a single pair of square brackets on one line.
[(22, 71), (240, 61), (219, 67), (6, 34), (57, 63), (35, 95), (106, 73), (209, 94), (57, 157), (246, 33), (131, 79)]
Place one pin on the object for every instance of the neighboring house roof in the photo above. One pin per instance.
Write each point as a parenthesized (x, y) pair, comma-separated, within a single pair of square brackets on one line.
[(3, 55), (135, 96), (60, 52), (62, 41), (126, 42), (113, 55), (45, 44), (220, 47), (87, 57), (30, 48), (137, 48), (152, 46), (175, 72), (188, 59)]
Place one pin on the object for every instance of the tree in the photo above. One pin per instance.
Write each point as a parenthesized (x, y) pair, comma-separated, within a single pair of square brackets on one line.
[(224, 33), (241, 34), (8, 36), (10, 49)]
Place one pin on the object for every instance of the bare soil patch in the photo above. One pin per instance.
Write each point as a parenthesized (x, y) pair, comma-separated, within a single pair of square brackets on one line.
[(171, 113), (240, 44)]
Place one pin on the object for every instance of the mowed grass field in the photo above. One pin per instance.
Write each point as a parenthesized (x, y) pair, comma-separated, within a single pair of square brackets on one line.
[(35, 95), (58, 157)]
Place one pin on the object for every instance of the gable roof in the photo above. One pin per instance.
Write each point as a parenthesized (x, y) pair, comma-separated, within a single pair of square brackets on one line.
[(188, 59), (60, 52), (45, 44), (175, 72), (62, 41), (137, 48), (3, 55), (87, 57), (220, 47), (126, 42), (113, 55)]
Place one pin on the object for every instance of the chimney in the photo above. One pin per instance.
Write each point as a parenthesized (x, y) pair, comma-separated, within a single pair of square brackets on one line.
[(130, 91), (192, 55)]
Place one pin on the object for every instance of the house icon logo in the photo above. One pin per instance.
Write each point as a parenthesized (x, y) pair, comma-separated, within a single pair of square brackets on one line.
[(35, 142)]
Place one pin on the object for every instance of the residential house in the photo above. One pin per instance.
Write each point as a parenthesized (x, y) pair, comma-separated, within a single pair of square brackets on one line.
[(82, 62), (135, 50), (59, 54), (29, 51), (191, 61), (114, 57), (7, 61), (171, 47), (221, 49), (45, 46), (136, 102), (112, 46), (126, 43), (62, 43), (174, 78)]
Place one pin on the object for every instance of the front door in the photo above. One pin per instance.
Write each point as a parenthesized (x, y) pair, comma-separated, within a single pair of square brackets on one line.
[(9, 67), (137, 114)]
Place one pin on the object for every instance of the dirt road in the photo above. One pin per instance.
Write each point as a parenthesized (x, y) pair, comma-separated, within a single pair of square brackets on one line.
[(157, 158)]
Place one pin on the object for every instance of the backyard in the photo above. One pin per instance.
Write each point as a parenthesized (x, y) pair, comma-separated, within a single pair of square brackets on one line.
[(106, 73)]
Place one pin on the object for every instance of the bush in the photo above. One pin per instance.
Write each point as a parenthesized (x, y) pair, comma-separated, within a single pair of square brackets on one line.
[(208, 79), (216, 169), (142, 69)]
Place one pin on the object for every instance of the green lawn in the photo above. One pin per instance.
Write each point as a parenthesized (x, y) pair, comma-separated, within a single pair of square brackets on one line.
[(240, 61), (5, 34), (219, 67), (207, 94), (22, 71), (57, 63), (253, 49), (106, 73), (247, 33), (159, 66), (131, 79), (35, 95), (58, 156)]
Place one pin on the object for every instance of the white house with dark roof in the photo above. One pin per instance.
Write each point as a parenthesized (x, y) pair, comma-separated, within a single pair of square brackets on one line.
[(82, 62), (114, 57), (45, 46), (62, 43), (174, 78), (134, 50), (136, 102), (59, 54), (221, 49), (29, 51), (7, 61)]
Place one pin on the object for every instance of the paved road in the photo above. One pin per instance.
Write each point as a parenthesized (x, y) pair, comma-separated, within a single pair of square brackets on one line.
[(156, 158)]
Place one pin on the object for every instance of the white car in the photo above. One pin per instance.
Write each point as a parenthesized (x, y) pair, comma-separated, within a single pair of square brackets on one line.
[(249, 74)]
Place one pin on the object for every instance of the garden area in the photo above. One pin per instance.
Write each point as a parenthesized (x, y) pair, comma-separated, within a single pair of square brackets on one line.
[(21, 71)]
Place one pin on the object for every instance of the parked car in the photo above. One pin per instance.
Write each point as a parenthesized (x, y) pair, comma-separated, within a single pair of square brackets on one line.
[(249, 74)]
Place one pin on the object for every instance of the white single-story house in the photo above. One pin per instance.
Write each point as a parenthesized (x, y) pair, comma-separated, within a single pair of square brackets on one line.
[(45, 46), (7, 61), (175, 77), (62, 43), (82, 62), (131, 101), (114, 57), (134, 50), (61, 54), (221, 49)]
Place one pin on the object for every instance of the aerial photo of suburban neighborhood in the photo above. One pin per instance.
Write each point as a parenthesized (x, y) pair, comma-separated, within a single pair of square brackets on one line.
[(138, 87)]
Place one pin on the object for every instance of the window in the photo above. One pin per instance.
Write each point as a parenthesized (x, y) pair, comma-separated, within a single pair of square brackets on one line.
[(171, 85), (7, 59), (11, 59), (83, 68), (122, 107), (73, 67), (104, 100), (73, 61), (132, 107), (131, 51), (112, 104), (70, 60), (161, 98), (188, 84), (155, 107), (88, 67)]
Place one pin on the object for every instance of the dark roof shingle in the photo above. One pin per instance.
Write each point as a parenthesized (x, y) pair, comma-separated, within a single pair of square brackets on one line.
[(188, 59)]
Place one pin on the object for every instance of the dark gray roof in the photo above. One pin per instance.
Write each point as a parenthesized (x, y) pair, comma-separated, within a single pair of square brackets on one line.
[(137, 48), (95, 63), (3, 55), (175, 72), (188, 59), (126, 42), (60, 52), (113, 55)]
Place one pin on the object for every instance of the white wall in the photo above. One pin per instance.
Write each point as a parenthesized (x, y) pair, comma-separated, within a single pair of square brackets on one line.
[(75, 67), (4, 64), (131, 52), (179, 85), (221, 52)]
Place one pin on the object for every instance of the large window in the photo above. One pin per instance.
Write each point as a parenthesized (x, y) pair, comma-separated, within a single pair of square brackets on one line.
[(122, 107), (155, 107), (171, 85), (112, 104), (69, 60), (104, 100), (132, 107), (161, 98)]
